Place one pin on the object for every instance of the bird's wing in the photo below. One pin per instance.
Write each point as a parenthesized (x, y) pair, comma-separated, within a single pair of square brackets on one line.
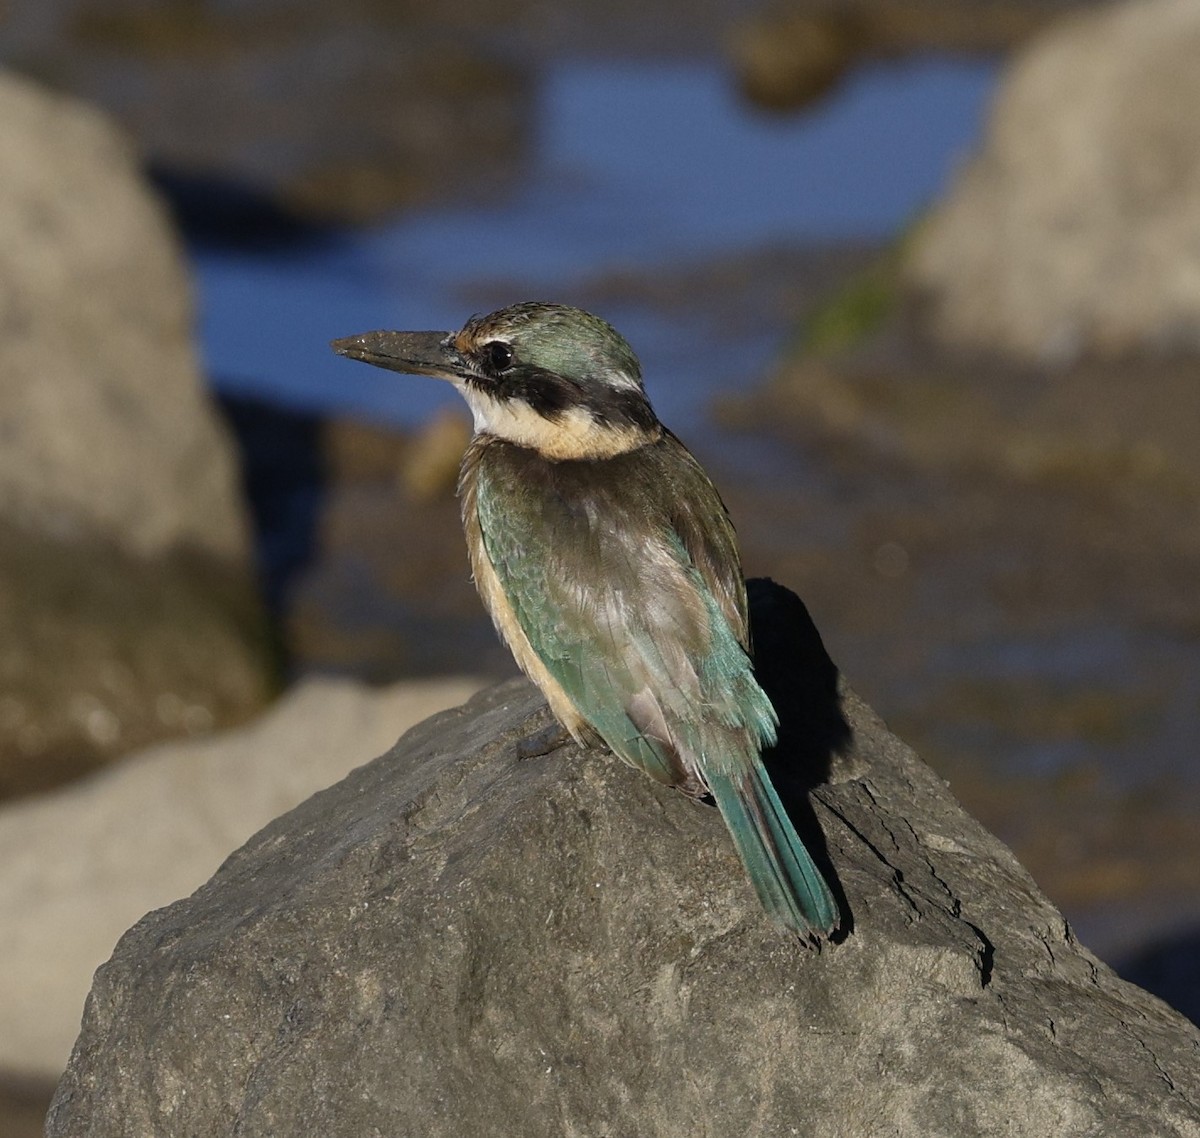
[(701, 520), (613, 603)]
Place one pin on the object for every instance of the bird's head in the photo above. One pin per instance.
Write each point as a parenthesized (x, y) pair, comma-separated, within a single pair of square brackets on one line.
[(546, 376)]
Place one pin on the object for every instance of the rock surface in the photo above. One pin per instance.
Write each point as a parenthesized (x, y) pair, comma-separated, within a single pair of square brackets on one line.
[(128, 605), (1074, 230), (78, 866), (457, 940)]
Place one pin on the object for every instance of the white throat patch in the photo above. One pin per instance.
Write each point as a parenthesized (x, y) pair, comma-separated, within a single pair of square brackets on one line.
[(574, 434)]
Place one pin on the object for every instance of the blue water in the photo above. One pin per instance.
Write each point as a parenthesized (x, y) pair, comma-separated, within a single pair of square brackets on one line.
[(635, 165)]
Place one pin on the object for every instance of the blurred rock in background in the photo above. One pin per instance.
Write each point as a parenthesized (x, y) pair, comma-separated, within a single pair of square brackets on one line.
[(1075, 231), (128, 600)]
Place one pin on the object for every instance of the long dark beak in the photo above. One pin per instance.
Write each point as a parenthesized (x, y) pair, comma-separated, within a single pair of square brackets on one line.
[(419, 353)]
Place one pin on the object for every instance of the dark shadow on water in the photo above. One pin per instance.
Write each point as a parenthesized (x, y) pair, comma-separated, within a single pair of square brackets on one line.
[(284, 479), (1170, 969), (221, 213), (802, 682)]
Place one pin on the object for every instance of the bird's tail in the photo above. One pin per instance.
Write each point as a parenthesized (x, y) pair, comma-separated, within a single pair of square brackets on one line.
[(788, 884)]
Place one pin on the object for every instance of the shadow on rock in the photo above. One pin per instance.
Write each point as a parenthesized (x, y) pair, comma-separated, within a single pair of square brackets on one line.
[(221, 212), (802, 682), (796, 672)]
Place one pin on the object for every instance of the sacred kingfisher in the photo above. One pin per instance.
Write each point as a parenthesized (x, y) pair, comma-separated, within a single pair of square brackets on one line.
[(608, 563)]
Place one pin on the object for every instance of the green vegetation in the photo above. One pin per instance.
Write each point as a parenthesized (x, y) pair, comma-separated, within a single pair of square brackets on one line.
[(854, 311)]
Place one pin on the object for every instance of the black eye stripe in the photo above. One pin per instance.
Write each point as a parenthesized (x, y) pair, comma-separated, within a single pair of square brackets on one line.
[(501, 375)]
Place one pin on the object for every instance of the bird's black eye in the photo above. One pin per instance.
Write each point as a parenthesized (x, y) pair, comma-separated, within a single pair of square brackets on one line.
[(498, 355)]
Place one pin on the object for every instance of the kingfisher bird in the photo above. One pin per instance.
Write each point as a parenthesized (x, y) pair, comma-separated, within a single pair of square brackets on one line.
[(609, 566)]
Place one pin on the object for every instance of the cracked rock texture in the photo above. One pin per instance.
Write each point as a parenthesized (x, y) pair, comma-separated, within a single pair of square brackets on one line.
[(459, 941)]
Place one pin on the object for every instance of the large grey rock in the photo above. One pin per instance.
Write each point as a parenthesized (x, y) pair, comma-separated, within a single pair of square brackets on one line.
[(1076, 229), (104, 420), (79, 865), (128, 606), (459, 941)]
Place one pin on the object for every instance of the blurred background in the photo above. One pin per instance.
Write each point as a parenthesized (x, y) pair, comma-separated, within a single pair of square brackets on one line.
[(920, 288)]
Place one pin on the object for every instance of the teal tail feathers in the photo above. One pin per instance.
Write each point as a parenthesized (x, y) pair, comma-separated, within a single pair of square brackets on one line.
[(788, 884)]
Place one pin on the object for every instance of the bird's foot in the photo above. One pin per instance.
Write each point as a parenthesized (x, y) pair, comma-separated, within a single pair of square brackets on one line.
[(543, 741)]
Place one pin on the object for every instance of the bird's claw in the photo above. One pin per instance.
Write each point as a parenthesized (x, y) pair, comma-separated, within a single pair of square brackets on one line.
[(543, 741)]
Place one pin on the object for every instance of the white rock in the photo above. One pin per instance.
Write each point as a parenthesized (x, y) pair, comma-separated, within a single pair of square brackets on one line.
[(81, 865), (1076, 230), (104, 421)]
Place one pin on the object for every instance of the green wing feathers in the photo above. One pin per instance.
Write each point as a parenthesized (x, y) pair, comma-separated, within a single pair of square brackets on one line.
[(627, 586)]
